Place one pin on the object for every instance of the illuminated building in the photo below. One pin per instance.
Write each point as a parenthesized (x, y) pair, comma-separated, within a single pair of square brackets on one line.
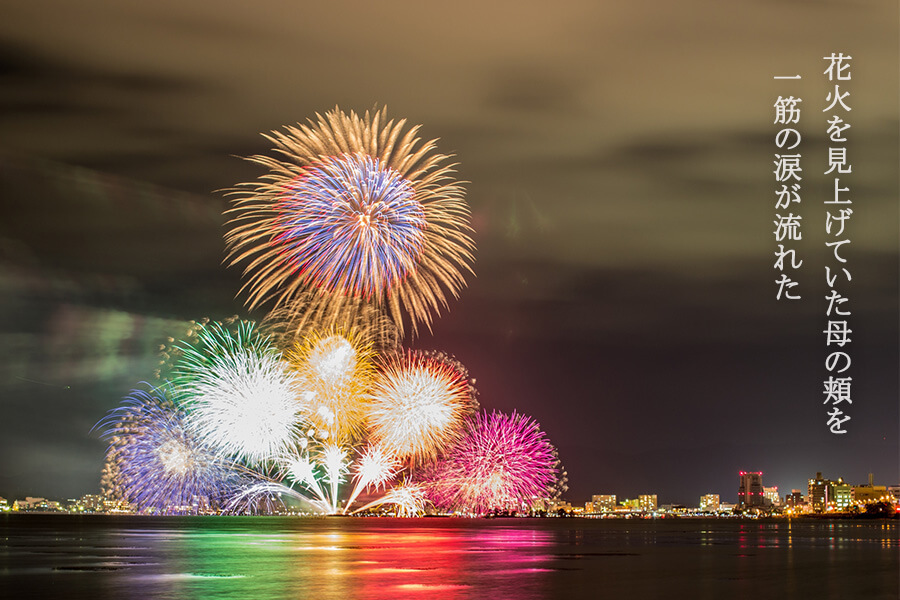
[(557, 505), (820, 493), (842, 495), (870, 492), (894, 492), (91, 503), (588, 508), (771, 495), (709, 503), (647, 502), (750, 489), (35, 504), (795, 498), (630, 504), (604, 503)]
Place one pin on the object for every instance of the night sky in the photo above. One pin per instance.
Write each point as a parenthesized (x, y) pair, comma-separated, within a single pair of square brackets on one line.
[(619, 160)]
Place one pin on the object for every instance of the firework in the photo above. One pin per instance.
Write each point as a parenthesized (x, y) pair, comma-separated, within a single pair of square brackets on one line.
[(359, 210), (502, 462), (239, 395), (155, 462), (334, 459), (266, 496), (419, 405), (289, 327), (335, 372), (351, 223), (374, 468), (409, 500)]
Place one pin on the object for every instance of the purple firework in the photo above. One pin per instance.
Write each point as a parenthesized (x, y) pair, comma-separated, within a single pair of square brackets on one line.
[(155, 463), (350, 223), (501, 462)]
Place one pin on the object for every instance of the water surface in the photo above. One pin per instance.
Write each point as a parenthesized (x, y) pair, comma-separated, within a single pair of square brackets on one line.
[(257, 558)]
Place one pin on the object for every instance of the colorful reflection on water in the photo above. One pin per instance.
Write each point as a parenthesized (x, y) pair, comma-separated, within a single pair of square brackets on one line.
[(347, 559)]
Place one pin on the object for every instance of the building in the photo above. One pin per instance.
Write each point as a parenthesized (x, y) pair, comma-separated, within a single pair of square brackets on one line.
[(709, 503), (794, 499), (894, 492), (647, 502), (604, 503), (33, 503), (750, 490), (91, 503), (630, 504), (771, 496), (558, 505), (842, 496), (820, 493), (868, 493)]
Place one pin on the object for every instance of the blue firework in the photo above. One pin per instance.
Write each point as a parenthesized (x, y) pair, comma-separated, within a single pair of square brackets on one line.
[(351, 225), (155, 463)]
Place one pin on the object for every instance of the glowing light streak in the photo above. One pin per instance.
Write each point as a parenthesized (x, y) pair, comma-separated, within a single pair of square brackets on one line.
[(334, 459), (409, 500), (351, 224), (375, 468), (247, 405)]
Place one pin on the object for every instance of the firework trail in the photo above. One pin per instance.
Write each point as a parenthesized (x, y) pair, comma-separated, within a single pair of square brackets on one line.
[(409, 500), (419, 405), (300, 470), (239, 395), (359, 210), (370, 327), (265, 496), (502, 462), (155, 462), (375, 468)]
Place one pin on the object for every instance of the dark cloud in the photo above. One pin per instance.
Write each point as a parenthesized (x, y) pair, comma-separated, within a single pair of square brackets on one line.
[(35, 75), (533, 89)]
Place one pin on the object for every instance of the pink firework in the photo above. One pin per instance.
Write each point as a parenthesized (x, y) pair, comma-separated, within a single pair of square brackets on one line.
[(501, 462)]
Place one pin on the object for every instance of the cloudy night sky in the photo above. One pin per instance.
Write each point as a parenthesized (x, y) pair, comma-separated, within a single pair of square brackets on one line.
[(619, 167)]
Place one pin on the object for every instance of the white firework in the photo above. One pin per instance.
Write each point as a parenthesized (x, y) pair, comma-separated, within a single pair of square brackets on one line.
[(247, 404)]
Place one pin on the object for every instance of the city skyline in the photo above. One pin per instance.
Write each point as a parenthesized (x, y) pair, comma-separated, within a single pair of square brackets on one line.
[(723, 496)]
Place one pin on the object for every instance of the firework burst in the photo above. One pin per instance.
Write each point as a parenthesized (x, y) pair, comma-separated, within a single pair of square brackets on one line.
[(360, 210), (155, 462), (502, 462), (335, 372), (239, 395), (419, 404), (352, 224)]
